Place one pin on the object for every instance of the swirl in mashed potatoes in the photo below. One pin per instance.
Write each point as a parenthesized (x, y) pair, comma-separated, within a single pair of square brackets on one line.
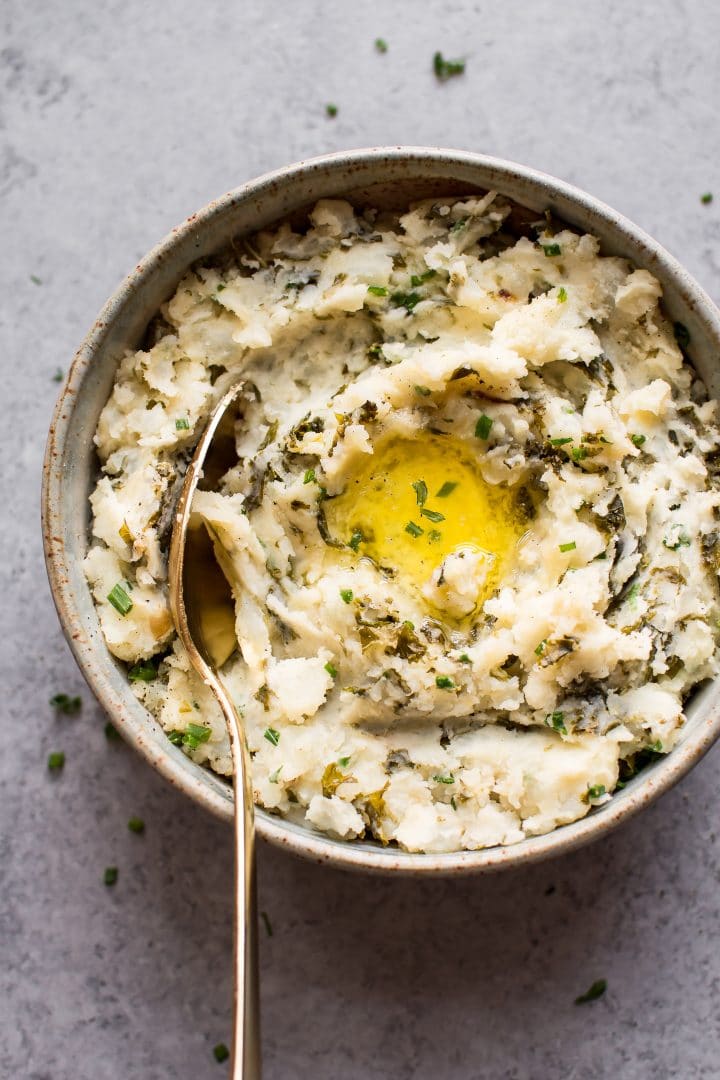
[(472, 522)]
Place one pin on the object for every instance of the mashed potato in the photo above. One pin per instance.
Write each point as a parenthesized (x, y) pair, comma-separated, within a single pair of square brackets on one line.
[(472, 522)]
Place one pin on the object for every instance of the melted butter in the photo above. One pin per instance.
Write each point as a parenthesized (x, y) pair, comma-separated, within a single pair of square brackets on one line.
[(381, 505)]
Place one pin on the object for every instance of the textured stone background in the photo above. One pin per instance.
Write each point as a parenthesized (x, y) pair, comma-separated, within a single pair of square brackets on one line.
[(116, 121)]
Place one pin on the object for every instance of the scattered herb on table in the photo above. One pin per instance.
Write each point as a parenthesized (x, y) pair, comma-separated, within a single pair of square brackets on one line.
[(446, 69), (66, 704), (38, 281), (59, 375), (707, 198), (136, 824), (268, 925), (381, 45), (331, 110), (56, 761), (596, 991), (221, 1053), (111, 733), (111, 875)]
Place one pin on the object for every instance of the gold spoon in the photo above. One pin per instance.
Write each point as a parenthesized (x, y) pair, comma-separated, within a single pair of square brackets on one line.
[(203, 610)]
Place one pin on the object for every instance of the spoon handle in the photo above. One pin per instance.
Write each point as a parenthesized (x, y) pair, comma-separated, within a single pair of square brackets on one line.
[(246, 1064)]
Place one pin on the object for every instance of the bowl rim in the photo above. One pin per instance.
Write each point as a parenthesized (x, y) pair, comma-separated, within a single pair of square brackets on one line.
[(350, 855)]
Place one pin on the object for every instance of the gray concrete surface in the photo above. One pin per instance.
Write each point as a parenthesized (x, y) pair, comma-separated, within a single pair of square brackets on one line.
[(118, 119)]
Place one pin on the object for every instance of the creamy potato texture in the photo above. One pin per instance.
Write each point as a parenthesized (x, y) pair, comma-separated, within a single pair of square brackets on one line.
[(472, 523)]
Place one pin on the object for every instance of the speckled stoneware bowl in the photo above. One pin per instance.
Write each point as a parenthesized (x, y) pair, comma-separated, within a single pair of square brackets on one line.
[(387, 177)]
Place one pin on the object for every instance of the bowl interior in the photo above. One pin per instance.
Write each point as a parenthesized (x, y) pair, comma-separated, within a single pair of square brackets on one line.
[(380, 178)]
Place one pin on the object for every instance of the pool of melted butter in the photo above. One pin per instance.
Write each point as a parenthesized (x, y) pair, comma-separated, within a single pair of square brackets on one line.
[(415, 501)]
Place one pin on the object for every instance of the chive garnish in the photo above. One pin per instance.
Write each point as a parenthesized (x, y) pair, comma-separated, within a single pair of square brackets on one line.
[(423, 391), (272, 735), (413, 529), (59, 375), (120, 599), (540, 649), (445, 69), (347, 595), (421, 491), (143, 671), (111, 733), (274, 777), (267, 923), (381, 45), (596, 791), (309, 477), (195, 734), (331, 110), (434, 535), (482, 428), (706, 198), (637, 440), (221, 1052), (439, 779), (406, 300), (377, 290), (344, 761), (570, 546), (420, 279), (56, 760), (183, 424), (355, 540), (579, 453), (556, 720), (464, 658), (66, 704), (432, 515), (447, 489), (136, 824), (562, 295), (38, 281), (552, 250), (444, 682), (560, 442), (111, 875), (597, 990), (331, 670)]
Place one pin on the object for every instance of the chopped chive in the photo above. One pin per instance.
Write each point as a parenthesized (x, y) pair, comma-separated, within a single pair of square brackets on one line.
[(183, 424), (706, 198), (540, 649), (560, 442), (556, 720), (66, 704), (195, 734), (143, 671), (596, 791), (120, 599), (347, 595), (59, 375), (38, 281), (420, 279), (423, 391), (682, 539), (579, 453), (221, 1053), (136, 824), (413, 529), (446, 69), (355, 540), (432, 515), (637, 440), (406, 300), (377, 290), (111, 875), (331, 670), (459, 225), (381, 45), (344, 761), (56, 760), (597, 990), (463, 658), (447, 489), (421, 491), (175, 737), (274, 777), (111, 733), (444, 682), (482, 428), (309, 477), (444, 779), (570, 546), (551, 250), (453, 803), (331, 110), (267, 923), (434, 535), (272, 735), (562, 295)]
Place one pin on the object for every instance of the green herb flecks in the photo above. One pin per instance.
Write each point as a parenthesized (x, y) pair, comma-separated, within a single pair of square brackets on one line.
[(331, 670), (562, 295), (570, 546), (59, 375), (422, 391), (377, 290), (444, 682), (556, 720), (111, 875), (420, 279), (637, 440), (356, 540), (266, 922), (344, 761), (579, 453), (407, 300), (413, 529), (183, 424), (309, 477), (678, 537), (560, 442), (596, 991), (65, 704), (432, 515), (421, 491), (143, 671), (136, 824), (272, 736), (707, 198), (331, 110), (540, 648), (552, 250), (119, 599), (434, 535), (195, 734), (381, 45), (439, 779), (596, 791), (447, 489), (346, 595), (483, 426), (221, 1053), (56, 761), (446, 69), (463, 658)]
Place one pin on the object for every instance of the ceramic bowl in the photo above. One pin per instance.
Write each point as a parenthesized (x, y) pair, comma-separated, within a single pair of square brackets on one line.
[(389, 177)]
